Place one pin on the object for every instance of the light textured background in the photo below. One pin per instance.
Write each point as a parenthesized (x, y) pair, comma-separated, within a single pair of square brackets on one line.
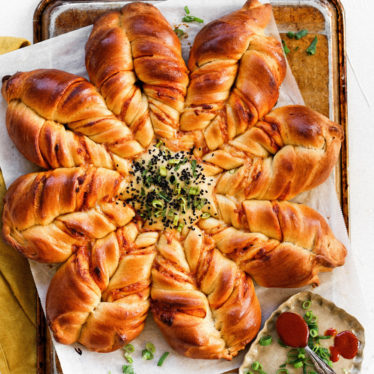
[(16, 20)]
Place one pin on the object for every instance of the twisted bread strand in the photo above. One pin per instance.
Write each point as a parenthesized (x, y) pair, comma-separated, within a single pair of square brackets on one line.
[(204, 305), (42, 102), (236, 72), (293, 150), (280, 244), (135, 45), (48, 216), (100, 296)]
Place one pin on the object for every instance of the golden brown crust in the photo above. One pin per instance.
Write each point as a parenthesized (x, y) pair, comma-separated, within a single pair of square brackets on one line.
[(100, 296), (293, 150), (235, 76), (280, 244), (57, 119), (204, 305), (49, 215), (138, 44)]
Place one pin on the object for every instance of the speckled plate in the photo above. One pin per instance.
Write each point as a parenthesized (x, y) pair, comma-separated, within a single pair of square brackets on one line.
[(329, 316)]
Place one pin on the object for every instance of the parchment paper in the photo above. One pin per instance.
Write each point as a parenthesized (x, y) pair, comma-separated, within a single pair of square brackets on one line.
[(66, 52)]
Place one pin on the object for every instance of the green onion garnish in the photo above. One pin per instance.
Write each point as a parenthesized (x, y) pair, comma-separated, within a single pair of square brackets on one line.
[(205, 215), (159, 144), (298, 364), (192, 19), (180, 227), (282, 371), (179, 32), (313, 333), (151, 347), (291, 34), (266, 340), (127, 369), (311, 50), (256, 366), (285, 48), (128, 357), (193, 167), (186, 10), (162, 358), (300, 34), (147, 355), (193, 191), (129, 348), (159, 204), (173, 161), (163, 171), (176, 220), (232, 171), (306, 304)]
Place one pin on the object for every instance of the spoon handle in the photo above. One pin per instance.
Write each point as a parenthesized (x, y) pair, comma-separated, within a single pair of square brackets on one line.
[(321, 366)]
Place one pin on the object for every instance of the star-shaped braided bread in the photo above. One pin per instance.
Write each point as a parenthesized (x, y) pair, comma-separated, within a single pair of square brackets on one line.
[(165, 186)]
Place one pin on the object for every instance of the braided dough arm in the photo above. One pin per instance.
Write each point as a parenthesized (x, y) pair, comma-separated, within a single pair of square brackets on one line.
[(235, 76), (47, 216), (138, 44), (100, 296), (204, 305), (293, 150), (43, 104), (280, 244)]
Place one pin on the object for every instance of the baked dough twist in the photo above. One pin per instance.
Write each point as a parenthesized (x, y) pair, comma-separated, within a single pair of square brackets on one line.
[(236, 71), (114, 268)]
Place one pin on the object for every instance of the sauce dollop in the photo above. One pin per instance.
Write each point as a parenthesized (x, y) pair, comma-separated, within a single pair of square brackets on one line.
[(330, 332), (345, 344), (292, 329)]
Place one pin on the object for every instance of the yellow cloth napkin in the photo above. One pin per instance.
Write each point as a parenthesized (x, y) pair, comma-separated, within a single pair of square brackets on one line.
[(10, 43), (17, 289)]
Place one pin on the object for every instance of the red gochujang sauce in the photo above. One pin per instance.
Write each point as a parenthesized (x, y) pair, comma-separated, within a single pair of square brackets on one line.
[(292, 329), (345, 344)]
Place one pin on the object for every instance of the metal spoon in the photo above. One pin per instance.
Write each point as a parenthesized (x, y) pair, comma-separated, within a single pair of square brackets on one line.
[(319, 364)]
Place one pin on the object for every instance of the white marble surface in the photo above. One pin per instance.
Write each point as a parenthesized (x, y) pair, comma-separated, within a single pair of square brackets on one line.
[(16, 20)]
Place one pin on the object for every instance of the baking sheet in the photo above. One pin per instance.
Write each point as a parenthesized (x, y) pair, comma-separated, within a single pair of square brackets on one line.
[(67, 52)]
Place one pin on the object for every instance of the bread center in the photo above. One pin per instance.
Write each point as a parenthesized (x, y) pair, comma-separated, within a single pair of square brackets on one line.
[(169, 189)]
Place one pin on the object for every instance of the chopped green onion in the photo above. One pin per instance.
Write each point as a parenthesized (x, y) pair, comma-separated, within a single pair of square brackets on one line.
[(127, 369), (232, 171), (193, 167), (159, 213), (256, 366), (193, 191), (205, 215), (129, 348), (324, 337), (147, 355), (285, 48), (158, 204), (128, 357), (301, 355), (151, 347), (300, 34), (186, 10), (313, 333), (175, 220), (282, 371), (291, 34), (266, 340), (180, 227), (163, 196), (308, 316), (162, 358), (311, 50), (179, 32), (163, 171), (173, 161), (159, 144), (298, 364), (192, 19), (306, 304)]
